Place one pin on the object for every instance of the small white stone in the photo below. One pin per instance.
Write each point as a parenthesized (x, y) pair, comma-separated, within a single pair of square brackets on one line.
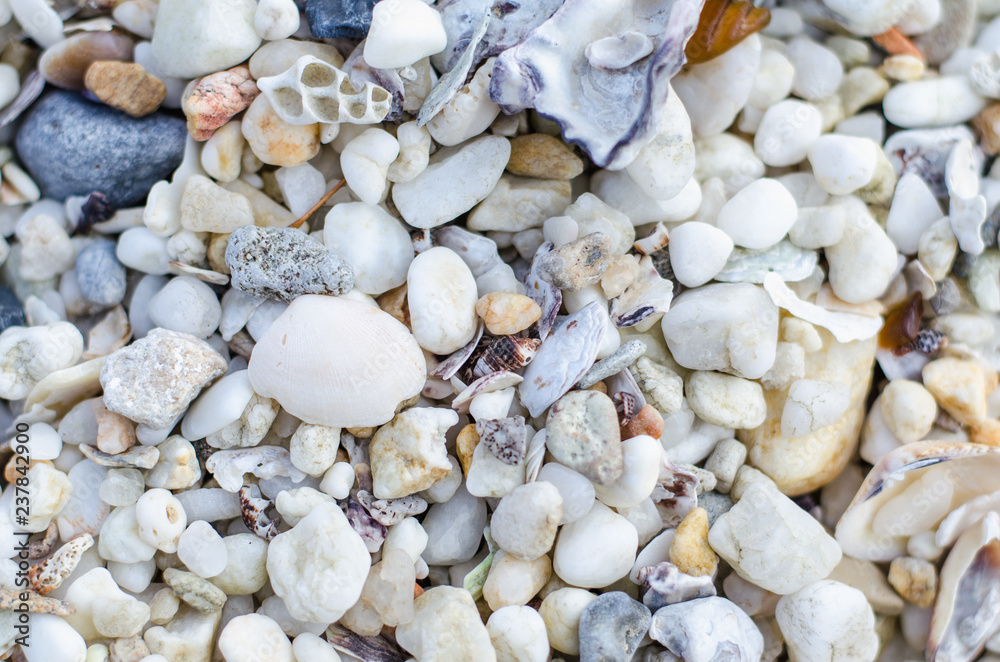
[(222, 155), (827, 620), (520, 203), (524, 523), (773, 543), (408, 454), (773, 80), (596, 550), (843, 164), (715, 91), (818, 71), (46, 249), (161, 519), (142, 250), (177, 467), (967, 216), (251, 635), (414, 152), (207, 207), (276, 19), (518, 634), (908, 409), (726, 401), (665, 164), (375, 244), (641, 455), (402, 33), (863, 261), (727, 458), (308, 646), (188, 247), (446, 626), (338, 480), (319, 567), (202, 550), (561, 610), (218, 406), (818, 227), (812, 405), (454, 529), (468, 113), (188, 305), (932, 102), (442, 295), (313, 448), (301, 187), (187, 42), (759, 215), (914, 209), (786, 132), (491, 477), (577, 492), (453, 183), (698, 251), (365, 162), (44, 442)]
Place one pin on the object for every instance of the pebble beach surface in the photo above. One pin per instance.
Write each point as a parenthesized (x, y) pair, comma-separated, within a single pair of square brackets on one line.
[(489, 331)]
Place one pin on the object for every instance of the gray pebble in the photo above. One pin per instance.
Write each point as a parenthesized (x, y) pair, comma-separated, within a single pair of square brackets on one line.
[(99, 274), (11, 310), (72, 146), (284, 263), (617, 361), (715, 504), (576, 265), (582, 432), (611, 627)]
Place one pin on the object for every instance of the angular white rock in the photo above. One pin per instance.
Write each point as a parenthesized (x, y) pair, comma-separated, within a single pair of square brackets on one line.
[(403, 32), (666, 163), (914, 210), (408, 454), (773, 543), (365, 163), (863, 262), (319, 567)]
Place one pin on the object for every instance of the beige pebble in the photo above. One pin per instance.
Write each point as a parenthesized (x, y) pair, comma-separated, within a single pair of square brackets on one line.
[(465, 446), (914, 579), (987, 127), (275, 141), (126, 86), (959, 387), (543, 156), (908, 409), (216, 253), (986, 431), (903, 67), (506, 313), (115, 433), (65, 64), (213, 100), (622, 270), (690, 550)]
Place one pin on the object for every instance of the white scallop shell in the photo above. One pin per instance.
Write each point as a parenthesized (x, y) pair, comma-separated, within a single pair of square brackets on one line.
[(336, 362)]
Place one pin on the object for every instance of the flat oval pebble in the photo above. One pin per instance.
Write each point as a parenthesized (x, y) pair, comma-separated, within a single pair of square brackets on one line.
[(442, 296)]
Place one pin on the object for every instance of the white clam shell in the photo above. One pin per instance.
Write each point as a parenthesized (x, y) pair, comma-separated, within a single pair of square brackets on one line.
[(337, 362), (911, 490)]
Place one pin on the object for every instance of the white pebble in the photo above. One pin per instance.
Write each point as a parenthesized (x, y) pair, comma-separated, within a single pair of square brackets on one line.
[(365, 162), (402, 32), (188, 305), (202, 550), (812, 405), (698, 251), (759, 215), (375, 244), (818, 71), (932, 102), (786, 132), (913, 211), (276, 19), (161, 519), (843, 164), (338, 480), (442, 295)]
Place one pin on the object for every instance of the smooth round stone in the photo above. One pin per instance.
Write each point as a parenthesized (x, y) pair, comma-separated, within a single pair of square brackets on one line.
[(197, 37), (561, 611), (582, 433), (698, 251), (454, 529), (725, 400), (122, 487), (375, 244), (218, 406), (202, 550), (577, 492), (641, 457), (786, 132), (843, 164), (249, 635), (365, 163), (11, 310), (525, 521), (45, 443), (54, 640), (908, 409), (596, 550), (863, 262), (941, 101), (99, 274), (140, 249), (518, 634), (187, 305), (828, 619), (72, 146), (759, 215), (818, 71), (442, 296)]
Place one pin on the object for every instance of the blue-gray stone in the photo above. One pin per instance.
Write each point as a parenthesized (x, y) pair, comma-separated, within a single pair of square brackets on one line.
[(611, 628), (330, 19), (72, 146), (99, 274), (11, 310)]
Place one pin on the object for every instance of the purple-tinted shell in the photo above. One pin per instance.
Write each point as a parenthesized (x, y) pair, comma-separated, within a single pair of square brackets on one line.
[(607, 112)]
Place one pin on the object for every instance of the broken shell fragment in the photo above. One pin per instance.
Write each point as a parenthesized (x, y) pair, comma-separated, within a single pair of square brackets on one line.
[(910, 491), (607, 111), (368, 364)]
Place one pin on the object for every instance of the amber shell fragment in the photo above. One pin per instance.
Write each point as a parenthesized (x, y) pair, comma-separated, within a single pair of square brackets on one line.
[(902, 324), (722, 25)]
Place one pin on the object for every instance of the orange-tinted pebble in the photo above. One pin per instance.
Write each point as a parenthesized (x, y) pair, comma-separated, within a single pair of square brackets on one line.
[(722, 25), (902, 324), (647, 421), (894, 42)]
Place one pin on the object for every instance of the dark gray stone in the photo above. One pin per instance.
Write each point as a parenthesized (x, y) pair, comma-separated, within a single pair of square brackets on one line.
[(330, 19), (611, 628), (72, 146), (99, 274), (11, 310), (284, 263)]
